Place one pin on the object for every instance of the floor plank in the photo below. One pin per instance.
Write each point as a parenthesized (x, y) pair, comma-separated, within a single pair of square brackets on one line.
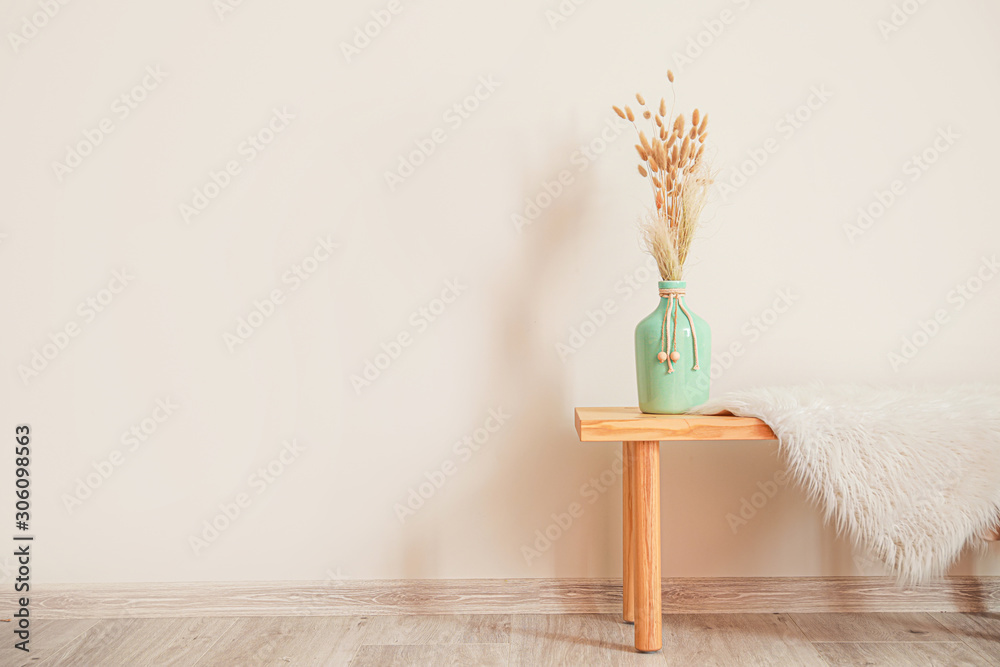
[(47, 636), (727, 640), (980, 631), (54, 634), (900, 654), (439, 629), (439, 655), (872, 627), (521, 639), (97, 644), (575, 639), (170, 641), (291, 640), (139, 642)]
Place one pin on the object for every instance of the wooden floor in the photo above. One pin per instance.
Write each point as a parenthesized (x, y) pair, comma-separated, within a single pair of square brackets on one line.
[(897, 638)]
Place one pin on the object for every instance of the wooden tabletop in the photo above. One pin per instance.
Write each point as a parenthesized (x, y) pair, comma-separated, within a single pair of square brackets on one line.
[(620, 424)]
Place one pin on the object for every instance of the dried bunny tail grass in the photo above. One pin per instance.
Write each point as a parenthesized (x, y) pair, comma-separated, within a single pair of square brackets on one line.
[(669, 243), (694, 196), (672, 161), (661, 158), (659, 242)]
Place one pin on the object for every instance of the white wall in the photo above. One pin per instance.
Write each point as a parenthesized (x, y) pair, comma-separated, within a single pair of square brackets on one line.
[(331, 510)]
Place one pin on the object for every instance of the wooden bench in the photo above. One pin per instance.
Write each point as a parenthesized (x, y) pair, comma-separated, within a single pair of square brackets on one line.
[(640, 435)]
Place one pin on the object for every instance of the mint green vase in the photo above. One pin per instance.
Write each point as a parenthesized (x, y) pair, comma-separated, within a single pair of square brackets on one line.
[(672, 387)]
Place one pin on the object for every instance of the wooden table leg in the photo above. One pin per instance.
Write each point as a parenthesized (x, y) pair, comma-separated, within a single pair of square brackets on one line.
[(645, 482), (628, 539)]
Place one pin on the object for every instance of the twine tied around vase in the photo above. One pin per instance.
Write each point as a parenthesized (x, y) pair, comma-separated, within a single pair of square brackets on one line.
[(668, 338)]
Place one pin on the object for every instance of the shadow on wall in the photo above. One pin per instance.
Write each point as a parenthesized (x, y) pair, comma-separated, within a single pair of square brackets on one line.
[(543, 465), (537, 467)]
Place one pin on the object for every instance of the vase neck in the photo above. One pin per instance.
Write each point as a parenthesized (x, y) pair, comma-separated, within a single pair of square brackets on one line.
[(671, 300), (672, 289)]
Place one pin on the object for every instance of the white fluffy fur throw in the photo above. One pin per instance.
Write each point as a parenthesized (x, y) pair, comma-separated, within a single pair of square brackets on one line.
[(911, 475)]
